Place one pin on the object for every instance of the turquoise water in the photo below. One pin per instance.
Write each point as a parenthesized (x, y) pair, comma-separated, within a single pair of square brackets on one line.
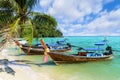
[(100, 70)]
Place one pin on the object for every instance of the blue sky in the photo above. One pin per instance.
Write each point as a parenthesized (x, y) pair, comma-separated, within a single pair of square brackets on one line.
[(84, 17)]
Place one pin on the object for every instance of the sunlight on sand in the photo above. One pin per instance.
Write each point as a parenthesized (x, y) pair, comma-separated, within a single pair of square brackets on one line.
[(22, 72)]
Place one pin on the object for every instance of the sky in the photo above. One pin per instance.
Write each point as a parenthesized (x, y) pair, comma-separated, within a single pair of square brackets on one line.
[(84, 17)]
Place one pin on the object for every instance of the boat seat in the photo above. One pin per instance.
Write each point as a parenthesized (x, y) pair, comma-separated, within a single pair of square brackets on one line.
[(94, 55)]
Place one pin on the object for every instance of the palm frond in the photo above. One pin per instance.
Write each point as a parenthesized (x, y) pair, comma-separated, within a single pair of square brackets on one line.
[(6, 13), (31, 4), (22, 7), (13, 26), (28, 31)]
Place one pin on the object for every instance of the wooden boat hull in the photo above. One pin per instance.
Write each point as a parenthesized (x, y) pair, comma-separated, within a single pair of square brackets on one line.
[(65, 58), (40, 51), (33, 51)]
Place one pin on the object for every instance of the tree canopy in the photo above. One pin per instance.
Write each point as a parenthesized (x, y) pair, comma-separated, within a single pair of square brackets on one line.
[(18, 19), (45, 26)]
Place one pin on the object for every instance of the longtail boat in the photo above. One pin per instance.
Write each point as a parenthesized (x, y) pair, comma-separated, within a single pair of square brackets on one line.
[(33, 50), (86, 55), (38, 49)]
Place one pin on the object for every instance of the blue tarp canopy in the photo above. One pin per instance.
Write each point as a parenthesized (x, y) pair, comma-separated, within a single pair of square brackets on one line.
[(100, 43), (54, 45), (92, 49), (61, 41)]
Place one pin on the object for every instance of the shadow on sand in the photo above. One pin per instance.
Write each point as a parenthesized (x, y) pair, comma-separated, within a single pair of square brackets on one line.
[(6, 68), (9, 70)]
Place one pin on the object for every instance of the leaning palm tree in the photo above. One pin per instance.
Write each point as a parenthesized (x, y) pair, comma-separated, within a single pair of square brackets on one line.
[(19, 18), (20, 21)]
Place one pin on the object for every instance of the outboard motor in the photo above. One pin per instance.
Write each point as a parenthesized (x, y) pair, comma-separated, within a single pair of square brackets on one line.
[(58, 42), (109, 49), (69, 45)]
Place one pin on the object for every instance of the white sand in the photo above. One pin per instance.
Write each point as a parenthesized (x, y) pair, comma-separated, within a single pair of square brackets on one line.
[(21, 72)]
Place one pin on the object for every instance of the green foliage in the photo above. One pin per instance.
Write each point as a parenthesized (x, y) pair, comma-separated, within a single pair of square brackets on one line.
[(28, 31), (45, 26), (13, 26), (18, 15), (6, 13), (17, 11)]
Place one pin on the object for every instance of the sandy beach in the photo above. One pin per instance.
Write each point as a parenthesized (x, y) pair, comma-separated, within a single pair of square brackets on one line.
[(22, 71)]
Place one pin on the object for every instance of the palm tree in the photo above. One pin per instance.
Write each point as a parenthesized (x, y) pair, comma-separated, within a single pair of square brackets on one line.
[(20, 10), (17, 18)]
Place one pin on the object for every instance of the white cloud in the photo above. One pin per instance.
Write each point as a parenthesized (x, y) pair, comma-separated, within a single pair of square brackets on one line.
[(73, 10), (45, 3), (65, 10), (71, 17), (107, 24)]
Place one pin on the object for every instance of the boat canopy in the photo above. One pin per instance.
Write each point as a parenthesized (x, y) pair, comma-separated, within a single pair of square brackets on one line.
[(54, 45), (92, 49), (61, 41), (100, 44), (22, 41)]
